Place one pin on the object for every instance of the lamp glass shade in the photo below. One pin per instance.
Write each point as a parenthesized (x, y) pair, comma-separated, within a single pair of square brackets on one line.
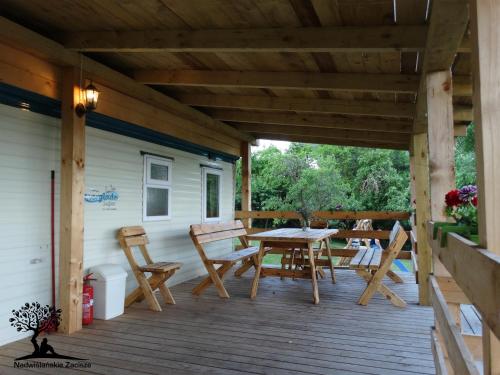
[(91, 96)]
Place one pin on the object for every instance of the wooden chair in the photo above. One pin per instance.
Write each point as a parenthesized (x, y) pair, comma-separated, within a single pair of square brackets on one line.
[(206, 233), (373, 264), (130, 237)]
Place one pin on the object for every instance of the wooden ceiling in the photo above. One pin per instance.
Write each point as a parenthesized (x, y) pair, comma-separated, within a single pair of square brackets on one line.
[(341, 72)]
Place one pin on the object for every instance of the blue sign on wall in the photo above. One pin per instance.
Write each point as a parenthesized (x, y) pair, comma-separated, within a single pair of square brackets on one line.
[(108, 197)]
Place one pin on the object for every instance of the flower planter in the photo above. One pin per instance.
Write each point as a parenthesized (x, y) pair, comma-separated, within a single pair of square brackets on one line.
[(467, 231)]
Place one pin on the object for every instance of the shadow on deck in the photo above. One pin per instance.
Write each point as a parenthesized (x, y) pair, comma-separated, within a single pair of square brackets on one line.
[(281, 332)]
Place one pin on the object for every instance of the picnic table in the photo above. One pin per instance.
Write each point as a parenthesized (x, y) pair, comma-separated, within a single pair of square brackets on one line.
[(293, 238)]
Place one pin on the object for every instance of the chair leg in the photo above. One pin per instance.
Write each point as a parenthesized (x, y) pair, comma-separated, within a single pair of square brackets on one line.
[(391, 296), (167, 296), (394, 277), (214, 277), (247, 264), (148, 292), (373, 286), (137, 295)]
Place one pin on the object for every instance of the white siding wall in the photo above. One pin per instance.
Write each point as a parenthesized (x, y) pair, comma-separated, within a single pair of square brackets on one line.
[(29, 150)]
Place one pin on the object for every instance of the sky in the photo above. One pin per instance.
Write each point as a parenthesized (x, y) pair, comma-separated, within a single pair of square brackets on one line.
[(264, 143)]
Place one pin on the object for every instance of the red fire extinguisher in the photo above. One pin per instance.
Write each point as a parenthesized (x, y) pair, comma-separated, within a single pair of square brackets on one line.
[(88, 300)]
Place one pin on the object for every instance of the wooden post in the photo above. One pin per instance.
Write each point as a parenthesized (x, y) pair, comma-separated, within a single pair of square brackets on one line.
[(485, 27), (413, 195), (72, 188), (246, 181), (441, 147), (441, 140), (423, 214)]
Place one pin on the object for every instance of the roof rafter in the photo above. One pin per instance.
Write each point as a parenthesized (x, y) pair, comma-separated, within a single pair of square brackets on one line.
[(332, 141), (399, 83), (312, 105), (325, 133), (344, 107), (305, 39), (311, 120)]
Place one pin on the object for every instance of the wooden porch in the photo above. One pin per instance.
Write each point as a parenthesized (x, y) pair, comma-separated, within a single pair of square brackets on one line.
[(280, 332)]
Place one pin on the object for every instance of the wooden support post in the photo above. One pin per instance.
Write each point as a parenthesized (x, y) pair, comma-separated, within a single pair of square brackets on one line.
[(441, 147), (413, 195), (441, 140), (423, 214), (485, 27), (246, 181), (72, 188)]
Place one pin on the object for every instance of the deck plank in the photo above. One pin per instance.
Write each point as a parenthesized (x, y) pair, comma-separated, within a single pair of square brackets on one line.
[(281, 332)]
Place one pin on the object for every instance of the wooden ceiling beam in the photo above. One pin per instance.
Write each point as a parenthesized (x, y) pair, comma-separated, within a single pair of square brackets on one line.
[(447, 26), (310, 120), (24, 39), (331, 141), (462, 113), (325, 133), (394, 83), (307, 39), (343, 107), (309, 105)]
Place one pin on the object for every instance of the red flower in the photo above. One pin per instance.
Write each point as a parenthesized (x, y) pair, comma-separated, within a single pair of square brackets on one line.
[(452, 198), (474, 201)]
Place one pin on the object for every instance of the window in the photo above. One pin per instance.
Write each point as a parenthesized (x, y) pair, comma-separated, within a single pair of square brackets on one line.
[(157, 188), (211, 193)]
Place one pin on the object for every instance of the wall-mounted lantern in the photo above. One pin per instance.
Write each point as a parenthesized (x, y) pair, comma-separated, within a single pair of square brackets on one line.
[(90, 97)]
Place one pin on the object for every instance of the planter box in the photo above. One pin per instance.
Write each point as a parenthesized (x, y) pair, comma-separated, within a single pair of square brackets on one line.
[(467, 231)]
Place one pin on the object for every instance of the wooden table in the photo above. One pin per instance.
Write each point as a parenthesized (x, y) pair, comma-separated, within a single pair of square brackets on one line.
[(293, 238)]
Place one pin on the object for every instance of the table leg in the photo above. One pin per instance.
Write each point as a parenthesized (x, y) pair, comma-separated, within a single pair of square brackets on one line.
[(313, 273), (255, 283), (330, 260)]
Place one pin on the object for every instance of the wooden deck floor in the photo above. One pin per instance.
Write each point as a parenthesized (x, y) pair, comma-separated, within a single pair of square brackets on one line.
[(281, 332)]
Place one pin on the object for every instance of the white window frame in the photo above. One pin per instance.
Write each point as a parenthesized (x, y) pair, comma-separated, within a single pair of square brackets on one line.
[(159, 184), (204, 172)]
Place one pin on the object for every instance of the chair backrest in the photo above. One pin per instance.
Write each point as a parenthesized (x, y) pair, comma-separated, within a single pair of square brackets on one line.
[(133, 236), (397, 239), (205, 233)]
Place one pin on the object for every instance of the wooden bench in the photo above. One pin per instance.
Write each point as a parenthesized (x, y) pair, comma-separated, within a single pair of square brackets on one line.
[(206, 233), (373, 264), (135, 236)]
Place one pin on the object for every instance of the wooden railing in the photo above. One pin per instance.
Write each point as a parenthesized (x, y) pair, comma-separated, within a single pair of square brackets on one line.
[(333, 215), (475, 279)]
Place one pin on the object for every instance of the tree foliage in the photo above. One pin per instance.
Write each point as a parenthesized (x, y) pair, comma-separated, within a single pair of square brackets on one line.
[(465, 159), (349, 178)]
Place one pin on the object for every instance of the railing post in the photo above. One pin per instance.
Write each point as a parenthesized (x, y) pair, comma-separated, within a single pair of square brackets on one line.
[(485, 27), (71, 220), (422, 206), (246, 181)]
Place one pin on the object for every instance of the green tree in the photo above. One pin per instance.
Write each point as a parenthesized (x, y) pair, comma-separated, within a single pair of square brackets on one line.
[(465, 159)]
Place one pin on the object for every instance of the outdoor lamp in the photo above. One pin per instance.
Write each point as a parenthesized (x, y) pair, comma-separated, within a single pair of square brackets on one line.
[(90, 97)]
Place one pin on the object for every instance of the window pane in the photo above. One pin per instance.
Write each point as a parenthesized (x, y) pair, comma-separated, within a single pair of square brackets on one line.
[(213, 195), (159, 172), (157, 202)]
